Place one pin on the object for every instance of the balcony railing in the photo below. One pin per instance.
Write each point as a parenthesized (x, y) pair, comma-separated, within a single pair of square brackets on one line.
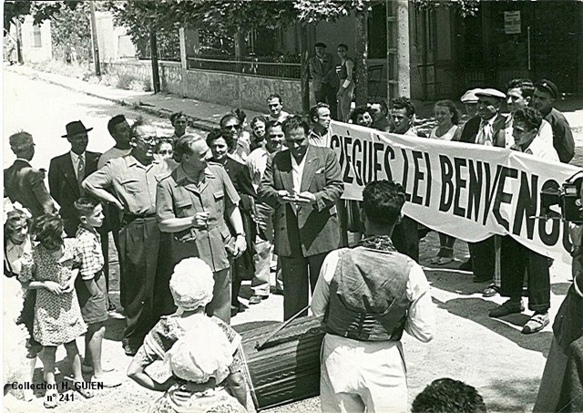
[(252, 67)]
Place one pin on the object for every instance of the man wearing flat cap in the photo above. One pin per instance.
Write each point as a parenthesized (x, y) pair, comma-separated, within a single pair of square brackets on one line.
[(488, 129), (66, 172), (322, 71), (545, 93), (22, 182)]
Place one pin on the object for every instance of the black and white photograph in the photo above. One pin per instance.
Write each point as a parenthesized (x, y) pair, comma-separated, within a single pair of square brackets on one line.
[(281, 206)]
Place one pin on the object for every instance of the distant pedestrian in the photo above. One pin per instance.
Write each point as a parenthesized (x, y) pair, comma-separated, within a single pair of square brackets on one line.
[(347, 76), (368, 295), (545, 94), (179, 122), (324, 81), (67, 172), (275, 106), (23, 183)]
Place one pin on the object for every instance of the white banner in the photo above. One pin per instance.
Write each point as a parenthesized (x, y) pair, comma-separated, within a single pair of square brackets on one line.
[(467, 191)]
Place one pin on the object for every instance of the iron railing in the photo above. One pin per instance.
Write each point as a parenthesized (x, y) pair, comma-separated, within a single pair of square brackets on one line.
[(252, 67)]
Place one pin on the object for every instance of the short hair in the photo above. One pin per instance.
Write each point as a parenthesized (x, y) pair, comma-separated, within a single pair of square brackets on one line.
[(12, 218), (447, 395), (274, 96), (382, 102), (20, 141), (175, 116), (139, 122), (228, 117), (404, 103), (295, 122), (162, 141), (342, 45), (217, 134), (113, 122), (48, 228), (86, 205), (531, 117), (455, 119), (525, 85), (359, 110), (382, 201), (314, 109), (241, 115), (183, 146), (272, 124)]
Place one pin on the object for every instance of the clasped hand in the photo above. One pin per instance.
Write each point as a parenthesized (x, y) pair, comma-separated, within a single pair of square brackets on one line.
[(301, 198)]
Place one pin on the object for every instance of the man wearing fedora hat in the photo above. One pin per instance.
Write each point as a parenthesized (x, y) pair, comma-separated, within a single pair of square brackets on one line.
[(545, 93), (22, 182), (323, 77), (66, 172)]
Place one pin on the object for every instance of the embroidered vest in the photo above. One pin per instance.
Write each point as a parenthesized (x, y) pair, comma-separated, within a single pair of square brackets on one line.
[(368, 299)]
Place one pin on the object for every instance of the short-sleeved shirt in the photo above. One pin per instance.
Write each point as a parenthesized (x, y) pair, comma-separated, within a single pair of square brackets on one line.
[(89, 251), (179, 197), (110, 154), (132, 183)]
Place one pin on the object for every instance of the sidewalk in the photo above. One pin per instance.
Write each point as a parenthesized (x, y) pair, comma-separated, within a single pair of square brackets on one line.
[(206, 116), (201, 115)]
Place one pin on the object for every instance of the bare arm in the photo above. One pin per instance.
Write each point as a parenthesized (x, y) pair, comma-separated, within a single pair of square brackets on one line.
[(97, 184), (237, 386), (137, 373)]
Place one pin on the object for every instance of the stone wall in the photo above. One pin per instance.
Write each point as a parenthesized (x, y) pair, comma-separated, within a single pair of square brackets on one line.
[(230, 89)]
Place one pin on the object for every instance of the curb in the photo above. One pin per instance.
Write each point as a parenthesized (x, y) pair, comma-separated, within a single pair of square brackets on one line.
[(194, 122)]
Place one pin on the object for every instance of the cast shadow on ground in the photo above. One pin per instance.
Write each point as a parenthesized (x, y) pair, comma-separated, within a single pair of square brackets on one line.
[(455, 281), (511, 395), (476, 309), (114, 329)]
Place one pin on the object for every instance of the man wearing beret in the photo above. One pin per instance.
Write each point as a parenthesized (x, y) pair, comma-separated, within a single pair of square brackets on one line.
[(66, 172), (322, 70), (545, 93), (22, 182)]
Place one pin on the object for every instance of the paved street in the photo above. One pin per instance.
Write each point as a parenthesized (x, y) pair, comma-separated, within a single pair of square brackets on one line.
[(489, 354)]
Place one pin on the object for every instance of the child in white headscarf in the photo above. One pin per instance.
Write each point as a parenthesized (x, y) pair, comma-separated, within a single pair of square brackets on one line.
[(203, 354)]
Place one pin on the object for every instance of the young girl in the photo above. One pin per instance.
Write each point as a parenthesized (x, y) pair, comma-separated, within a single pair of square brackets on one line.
[(57, 316), (18, 308)]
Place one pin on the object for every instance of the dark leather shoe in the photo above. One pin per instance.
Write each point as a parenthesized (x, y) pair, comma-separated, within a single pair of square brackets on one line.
[(509, 307), (130, 350)]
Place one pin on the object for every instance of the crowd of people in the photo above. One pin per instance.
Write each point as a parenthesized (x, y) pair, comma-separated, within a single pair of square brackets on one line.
[(192, 217)]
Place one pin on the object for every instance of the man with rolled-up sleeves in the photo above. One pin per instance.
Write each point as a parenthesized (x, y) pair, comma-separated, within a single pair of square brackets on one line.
[(303, 184), (129, 183)]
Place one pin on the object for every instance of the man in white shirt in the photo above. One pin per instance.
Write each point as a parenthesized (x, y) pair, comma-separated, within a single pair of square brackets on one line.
[(276, 112), (320, 118), (519, 93), (303, 184), (257, 162), (515, 258), (66, 172), (369, 295), (119, 129)]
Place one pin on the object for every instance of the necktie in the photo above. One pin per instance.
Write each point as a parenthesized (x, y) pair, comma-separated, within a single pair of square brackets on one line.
[(80, 170), (485, 134)]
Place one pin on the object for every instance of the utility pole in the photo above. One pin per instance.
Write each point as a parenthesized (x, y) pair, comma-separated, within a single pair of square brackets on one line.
[(94, 43), (154, 59)]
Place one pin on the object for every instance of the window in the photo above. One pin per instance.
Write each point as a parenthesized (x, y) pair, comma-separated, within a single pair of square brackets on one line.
[(36, 37)]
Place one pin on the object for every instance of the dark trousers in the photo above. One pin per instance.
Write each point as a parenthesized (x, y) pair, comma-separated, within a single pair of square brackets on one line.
[(142, 292), (406, 238), (296, 272), (328, 95), (483, 256), (515, 259)]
